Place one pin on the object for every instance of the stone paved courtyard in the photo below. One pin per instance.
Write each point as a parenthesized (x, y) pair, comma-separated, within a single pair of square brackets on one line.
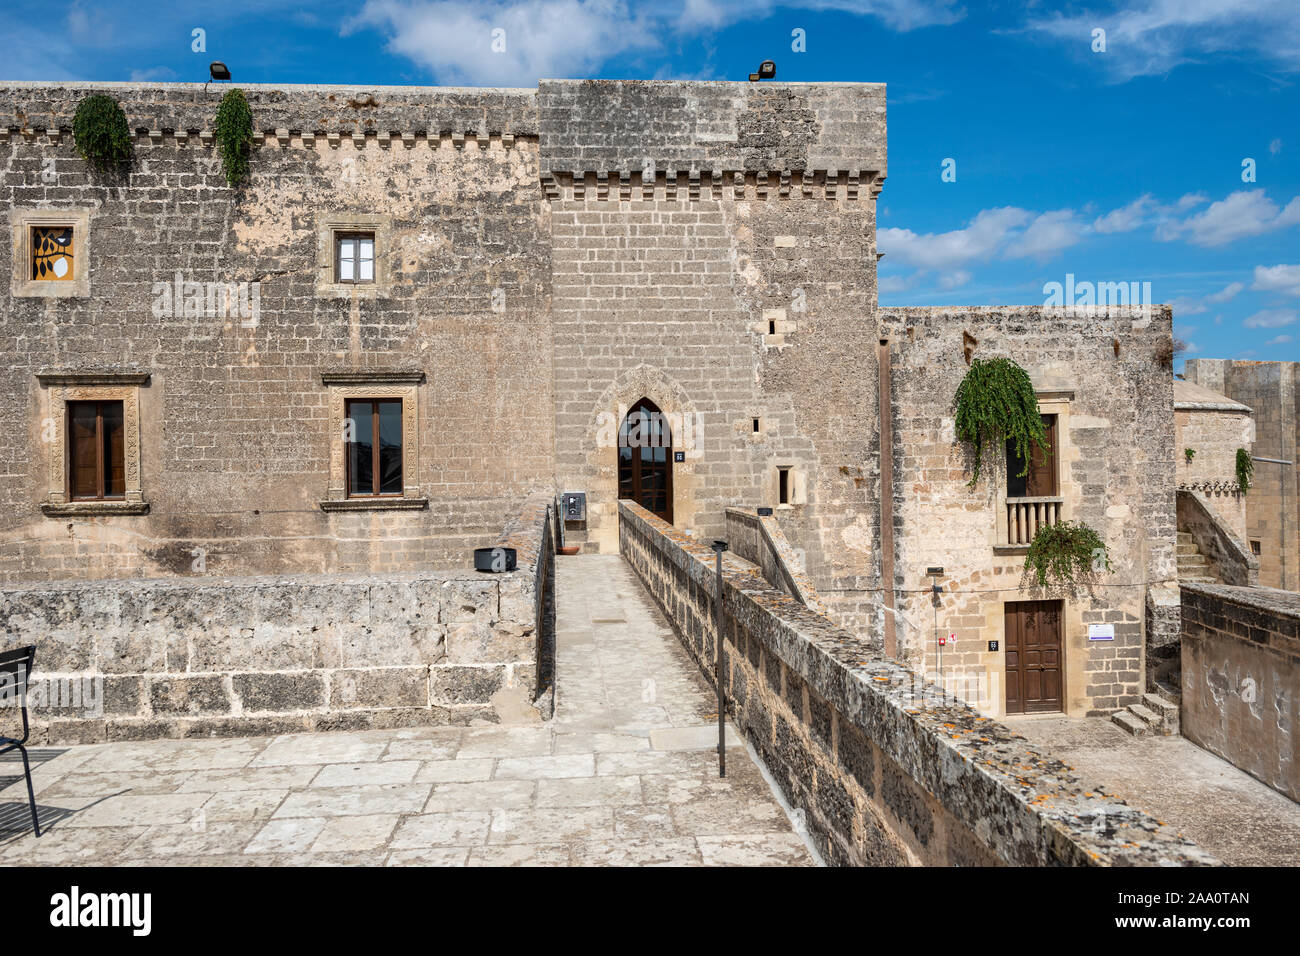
[(1227, 811), (626, 773)]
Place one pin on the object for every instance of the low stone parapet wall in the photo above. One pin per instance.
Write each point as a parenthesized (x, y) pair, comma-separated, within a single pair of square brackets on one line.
[(885, 768), (1241, 678), (759, 540), (258, 655)]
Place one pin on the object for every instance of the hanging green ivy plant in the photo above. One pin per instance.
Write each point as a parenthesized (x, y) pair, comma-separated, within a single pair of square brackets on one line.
[(1062, 553), (234, 135), (1245, 470), (100, 132), (996, 402)]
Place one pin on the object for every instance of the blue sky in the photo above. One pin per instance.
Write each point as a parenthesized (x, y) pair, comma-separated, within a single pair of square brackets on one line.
[(1122, 164)]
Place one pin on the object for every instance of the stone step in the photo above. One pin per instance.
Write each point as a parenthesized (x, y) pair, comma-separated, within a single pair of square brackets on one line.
[(1145, 714), (1198, 579), (1193, 560), (1184, 536), (1130, 724), (1170, 691), (1187, 548), (1167, 710)]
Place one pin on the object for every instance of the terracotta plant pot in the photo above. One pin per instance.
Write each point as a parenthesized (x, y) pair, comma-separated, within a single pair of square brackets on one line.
[(570, 549)]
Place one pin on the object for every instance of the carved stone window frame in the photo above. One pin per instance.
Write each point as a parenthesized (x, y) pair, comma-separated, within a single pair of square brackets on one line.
[(362, 384), (61, 387), (330, 227), (21, 283)]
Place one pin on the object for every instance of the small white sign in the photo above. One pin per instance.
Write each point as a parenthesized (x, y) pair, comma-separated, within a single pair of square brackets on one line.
[(1101, 632)]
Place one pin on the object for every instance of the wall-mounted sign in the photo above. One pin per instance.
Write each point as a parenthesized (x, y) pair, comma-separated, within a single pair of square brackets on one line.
[(993, 645), (1101, 632), (679, 456)]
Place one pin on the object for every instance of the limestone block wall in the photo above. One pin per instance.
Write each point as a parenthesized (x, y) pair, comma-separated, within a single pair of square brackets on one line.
[(1214, 430), (284, 654), (1241, 679), (1108, 380), (736, 304), (887, 768), (236, 424), (1272, 506)]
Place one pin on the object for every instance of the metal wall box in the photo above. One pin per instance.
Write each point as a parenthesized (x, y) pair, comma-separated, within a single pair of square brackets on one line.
[(573, 505)]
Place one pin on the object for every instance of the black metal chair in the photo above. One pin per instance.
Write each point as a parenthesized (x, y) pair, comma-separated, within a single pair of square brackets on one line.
[(15, 671)]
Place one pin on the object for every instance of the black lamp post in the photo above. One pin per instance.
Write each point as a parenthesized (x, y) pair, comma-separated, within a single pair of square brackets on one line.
[(718, 548)]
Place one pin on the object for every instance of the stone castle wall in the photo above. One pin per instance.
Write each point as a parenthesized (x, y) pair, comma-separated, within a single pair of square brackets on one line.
[(1107, 379), (1272, 506), (235, 420)]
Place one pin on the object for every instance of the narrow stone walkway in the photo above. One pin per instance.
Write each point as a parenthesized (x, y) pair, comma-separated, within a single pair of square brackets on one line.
[(625, 774)]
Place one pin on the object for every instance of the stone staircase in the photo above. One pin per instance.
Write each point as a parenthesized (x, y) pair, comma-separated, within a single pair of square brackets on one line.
[(1192, 565), (1157, 715)]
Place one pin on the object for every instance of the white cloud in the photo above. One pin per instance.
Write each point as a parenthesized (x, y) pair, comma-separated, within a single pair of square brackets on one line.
[(1126, 218), (1151, 37), (1047, 235), (1281, 278), (453, 40), (542, 38), (1186, 306), (1270, 319), (954, 280), (890, 284), (1242, 214), (1278, 340), (986, 234), (1228, 292)]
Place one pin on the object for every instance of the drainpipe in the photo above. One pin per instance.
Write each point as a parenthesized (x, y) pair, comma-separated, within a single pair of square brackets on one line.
[(886, 432)]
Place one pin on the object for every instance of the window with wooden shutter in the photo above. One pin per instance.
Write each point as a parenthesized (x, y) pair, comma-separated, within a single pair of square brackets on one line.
[(1041, 480), (96, 451)]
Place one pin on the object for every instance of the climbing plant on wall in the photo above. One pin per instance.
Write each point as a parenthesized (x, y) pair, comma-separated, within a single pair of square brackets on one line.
[(234, 134), (100, 132), (1062, 553), (1245, 470), (996, 403)]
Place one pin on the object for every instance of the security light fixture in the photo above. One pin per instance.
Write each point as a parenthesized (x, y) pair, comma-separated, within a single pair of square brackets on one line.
[(766, 71), (217, 71)]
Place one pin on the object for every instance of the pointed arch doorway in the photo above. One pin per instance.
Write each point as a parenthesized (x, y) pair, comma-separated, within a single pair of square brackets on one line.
[(645, 459)]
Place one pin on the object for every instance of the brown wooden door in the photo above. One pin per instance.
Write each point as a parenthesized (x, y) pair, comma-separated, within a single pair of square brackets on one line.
[(645, 459), (1034, 665)]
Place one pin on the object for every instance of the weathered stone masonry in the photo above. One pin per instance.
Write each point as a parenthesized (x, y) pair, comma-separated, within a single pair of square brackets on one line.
[(887, 768), (285, 654), (546, 259)]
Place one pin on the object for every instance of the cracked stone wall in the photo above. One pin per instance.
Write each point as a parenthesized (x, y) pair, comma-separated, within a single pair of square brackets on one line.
[(1240, 674)]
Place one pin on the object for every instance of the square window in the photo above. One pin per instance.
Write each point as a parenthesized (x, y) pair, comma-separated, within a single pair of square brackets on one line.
[(52, 251), (354, 257), (51, 257), (374, 447), (96, 451)]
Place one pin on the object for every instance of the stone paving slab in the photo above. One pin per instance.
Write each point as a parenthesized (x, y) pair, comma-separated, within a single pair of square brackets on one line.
[(624, 775)]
